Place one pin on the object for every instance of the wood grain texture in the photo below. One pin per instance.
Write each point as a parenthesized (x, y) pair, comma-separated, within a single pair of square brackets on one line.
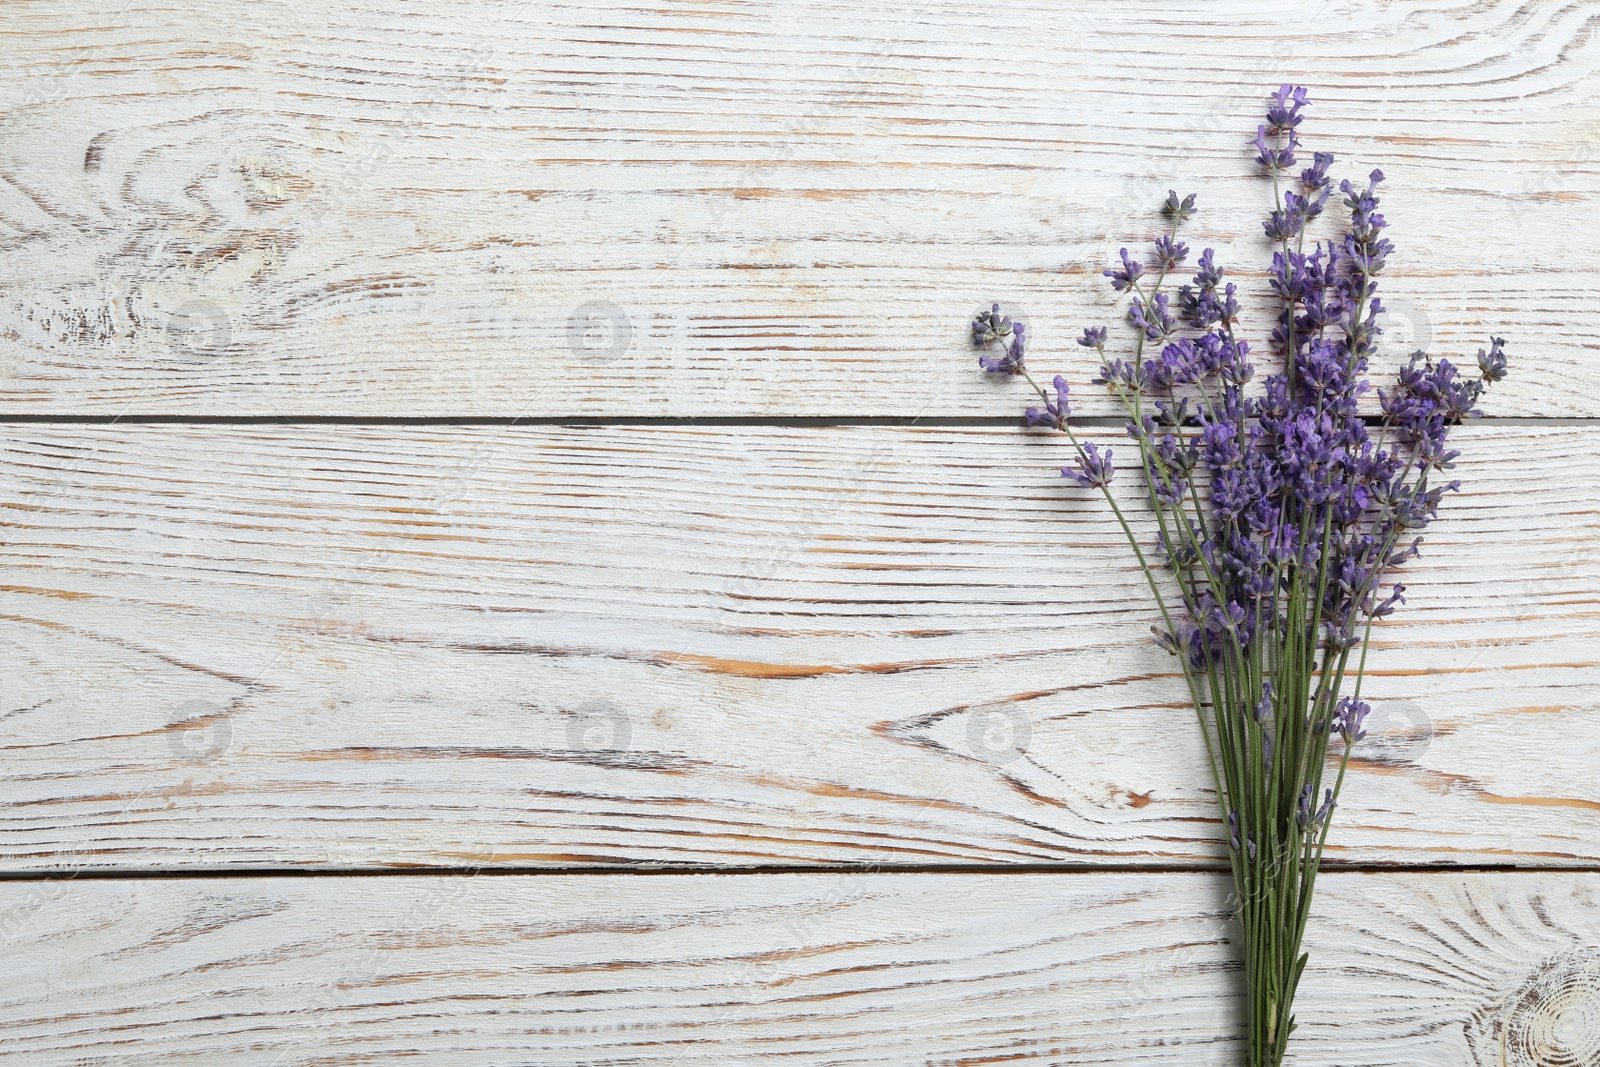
[(1438, 970), (786, 209), (336, 645)]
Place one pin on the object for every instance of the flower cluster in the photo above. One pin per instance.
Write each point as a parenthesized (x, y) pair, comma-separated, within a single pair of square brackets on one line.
[(990, 327), (1281, 511), (1296, 482)]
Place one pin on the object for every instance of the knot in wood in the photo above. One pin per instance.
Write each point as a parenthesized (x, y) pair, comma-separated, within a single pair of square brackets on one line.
[(1552, 1020)]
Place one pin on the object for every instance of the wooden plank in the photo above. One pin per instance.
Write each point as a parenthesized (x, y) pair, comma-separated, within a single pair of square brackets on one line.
[(251, 645), (1444, 969), (784, 209)]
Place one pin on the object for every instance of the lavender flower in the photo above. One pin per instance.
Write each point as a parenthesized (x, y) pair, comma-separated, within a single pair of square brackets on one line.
[(1093, 470), (1284, 111), (1492, 364), (1386, 606), (1264, 705), (1349, 719), (1281, 514), (990, 327), (1130, 273), (1272, 156), (1056, 409), (1307, 819), (1179, 208), (1315, 177), (1119, 372), (1285, 223), (1154, 319), (1169, 252)]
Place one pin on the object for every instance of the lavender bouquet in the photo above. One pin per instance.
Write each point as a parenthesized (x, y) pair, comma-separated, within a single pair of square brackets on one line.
[(1280, 515)]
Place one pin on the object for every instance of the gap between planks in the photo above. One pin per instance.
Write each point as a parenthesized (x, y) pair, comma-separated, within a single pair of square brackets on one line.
[(130, 874), (797, 421)]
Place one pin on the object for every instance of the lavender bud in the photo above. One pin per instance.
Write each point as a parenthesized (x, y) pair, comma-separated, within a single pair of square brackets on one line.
[(1093, 471), (1056, 409), (1170, 253), (1349, 719), (1284, 111), (1492, 364), (1264, 708), (1180, 208), (1302, 813), (1124, 278), (990, 326)]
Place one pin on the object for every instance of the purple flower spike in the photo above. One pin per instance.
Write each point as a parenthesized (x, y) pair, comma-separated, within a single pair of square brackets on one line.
[(1270, 155), (1315, 177), (991, 326), (1284, 111), (986, 326), (1124, 278), (1155, 320), (1094, 472), (1264, 707), (1350, 718), (1056, 410), (1170, 253), (1288, 221), (1176, 207), (1120, 372), (1492, 364), (1388, 604)]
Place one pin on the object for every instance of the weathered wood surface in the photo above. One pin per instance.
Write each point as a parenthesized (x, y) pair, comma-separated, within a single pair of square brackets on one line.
[(357, 645), (485, 647), (543, 208), (1438, 970)]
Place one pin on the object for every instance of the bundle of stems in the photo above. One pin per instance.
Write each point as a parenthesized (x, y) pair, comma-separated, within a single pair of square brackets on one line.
[(1280, 515)]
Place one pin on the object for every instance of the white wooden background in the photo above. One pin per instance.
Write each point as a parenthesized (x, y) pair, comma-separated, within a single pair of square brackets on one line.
[(507, 557)]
